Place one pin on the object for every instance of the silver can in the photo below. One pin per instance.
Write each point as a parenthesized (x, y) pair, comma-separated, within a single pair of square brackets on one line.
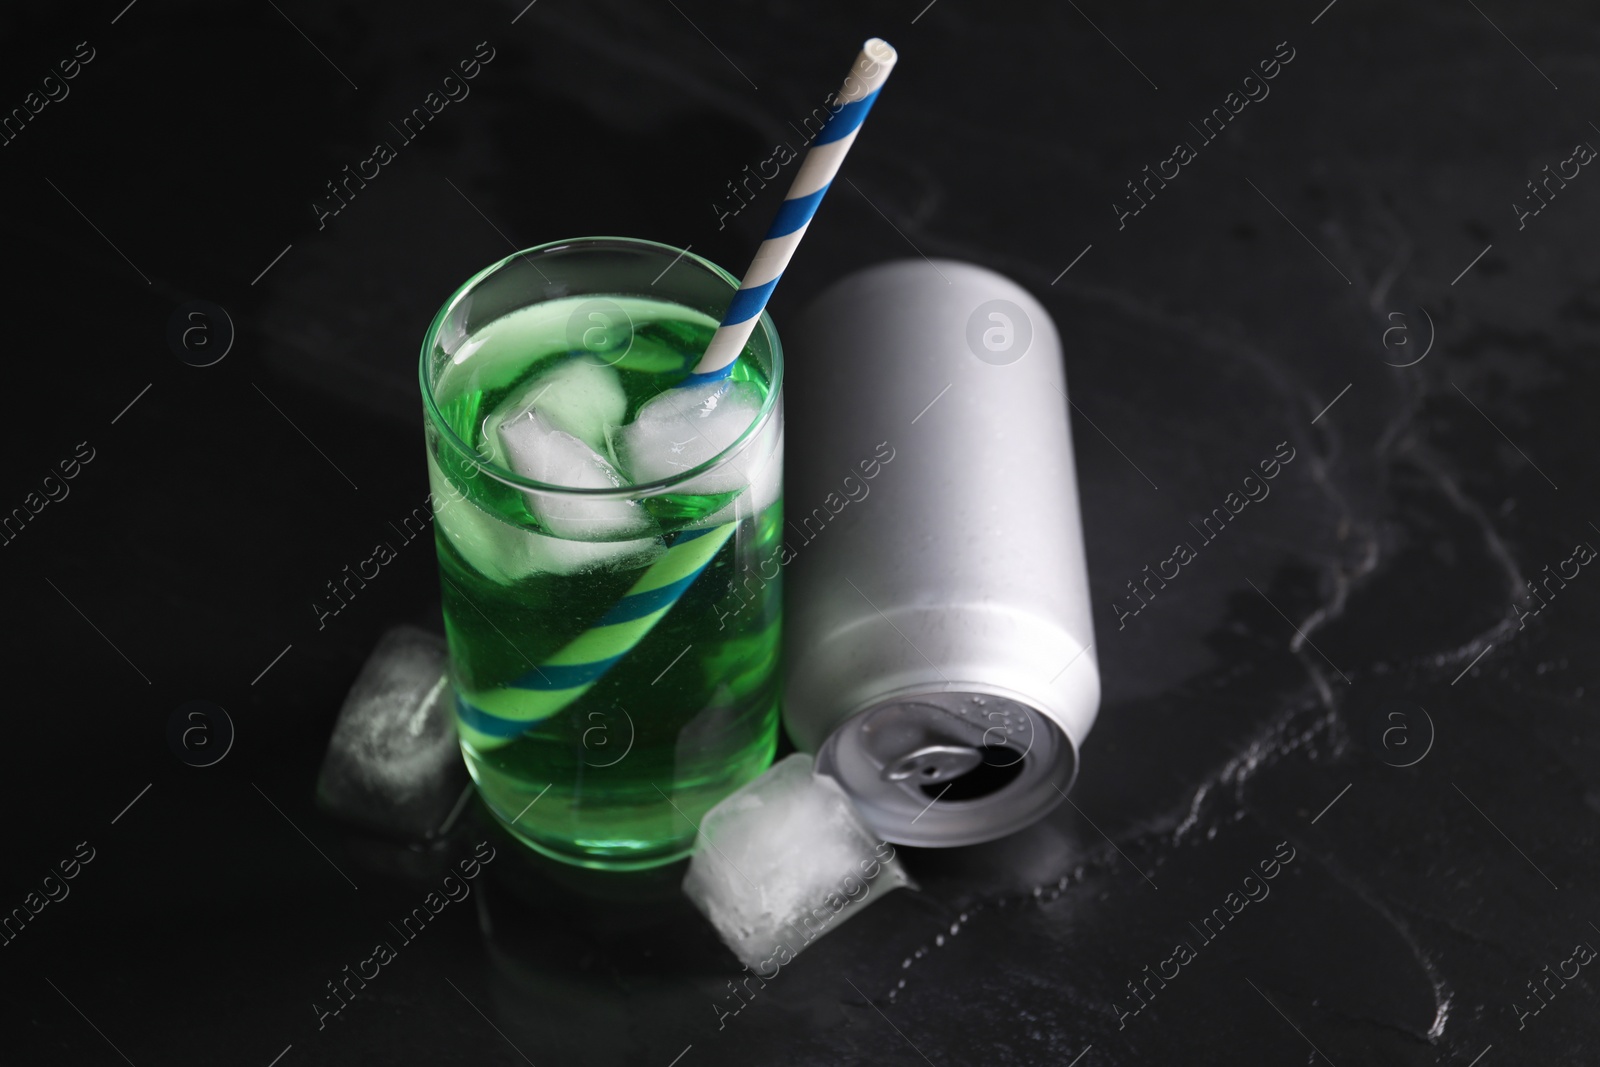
[(938, 636)]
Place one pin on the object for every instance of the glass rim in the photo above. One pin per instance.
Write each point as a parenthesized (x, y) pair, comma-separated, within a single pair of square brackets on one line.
[(623, 492)]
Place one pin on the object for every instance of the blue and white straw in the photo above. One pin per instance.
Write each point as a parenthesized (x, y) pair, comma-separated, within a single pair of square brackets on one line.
[(860, 92), (492, 717)]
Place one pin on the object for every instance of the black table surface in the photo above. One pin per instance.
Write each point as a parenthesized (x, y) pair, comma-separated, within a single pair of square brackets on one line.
[(1354, 682)]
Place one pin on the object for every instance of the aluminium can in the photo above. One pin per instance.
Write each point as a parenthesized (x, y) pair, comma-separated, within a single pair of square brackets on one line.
[(939, 646)]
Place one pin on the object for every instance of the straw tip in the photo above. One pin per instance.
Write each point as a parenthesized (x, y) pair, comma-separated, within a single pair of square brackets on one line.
[(880, 50)]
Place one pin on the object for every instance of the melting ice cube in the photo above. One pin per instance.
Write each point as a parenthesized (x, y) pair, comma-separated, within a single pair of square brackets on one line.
[(682, 428), (579, 397), (784, 860), (507, 553), (393, 764), (535, 449)]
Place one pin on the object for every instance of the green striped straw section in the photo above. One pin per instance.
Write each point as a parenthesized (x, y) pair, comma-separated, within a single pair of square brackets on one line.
[(496, 717)]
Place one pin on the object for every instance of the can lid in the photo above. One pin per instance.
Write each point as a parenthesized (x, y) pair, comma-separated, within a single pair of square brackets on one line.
[(944, 768)]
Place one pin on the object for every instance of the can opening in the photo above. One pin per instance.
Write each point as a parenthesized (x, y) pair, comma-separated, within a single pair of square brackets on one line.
[(949, 766), (1000, 767)]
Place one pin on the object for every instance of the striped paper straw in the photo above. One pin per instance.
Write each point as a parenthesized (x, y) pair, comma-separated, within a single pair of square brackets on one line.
[(860, 92), (496, 717)]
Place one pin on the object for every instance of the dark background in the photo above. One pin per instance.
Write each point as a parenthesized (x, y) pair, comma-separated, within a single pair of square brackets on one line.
[(1377, 180)]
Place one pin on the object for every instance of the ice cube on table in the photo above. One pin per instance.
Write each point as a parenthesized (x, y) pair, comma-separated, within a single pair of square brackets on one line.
[(577, 396), (683, 427), (784, 860), (393, 764), (535, 449), (506, 553)]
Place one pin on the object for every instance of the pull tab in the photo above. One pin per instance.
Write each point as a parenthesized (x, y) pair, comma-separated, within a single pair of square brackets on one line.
[(932, 764)]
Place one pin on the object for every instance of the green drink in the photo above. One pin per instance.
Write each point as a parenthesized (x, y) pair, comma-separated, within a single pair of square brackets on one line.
[(608, 541)]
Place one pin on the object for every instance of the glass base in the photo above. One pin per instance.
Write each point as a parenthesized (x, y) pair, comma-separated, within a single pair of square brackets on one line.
[(602, 855), (658, 828)]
